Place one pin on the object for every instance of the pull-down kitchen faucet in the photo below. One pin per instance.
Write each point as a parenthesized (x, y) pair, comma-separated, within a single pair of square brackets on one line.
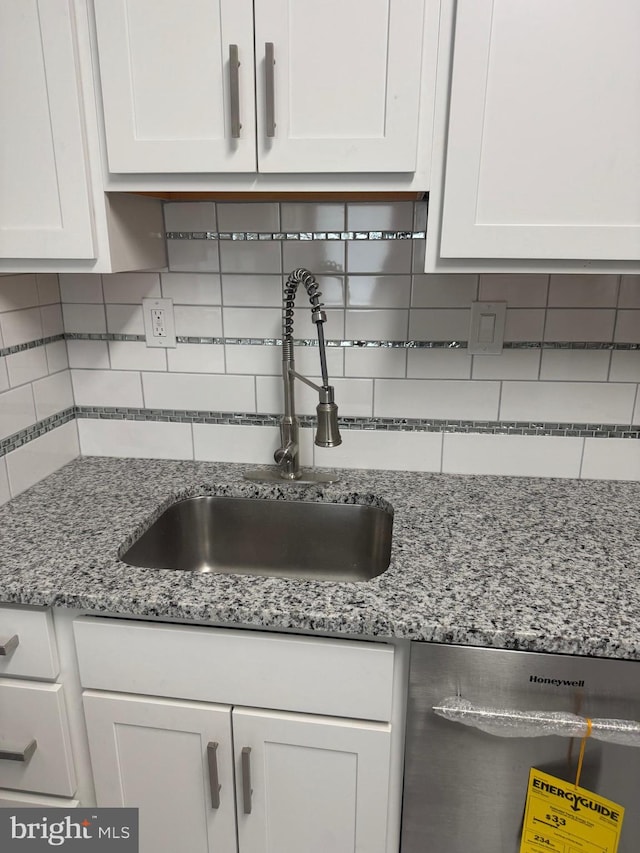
[(327, 434)]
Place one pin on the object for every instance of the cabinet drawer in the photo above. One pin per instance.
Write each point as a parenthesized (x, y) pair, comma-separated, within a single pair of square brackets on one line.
[(35, 712), (35, 655), (13, 800), (312, 675)]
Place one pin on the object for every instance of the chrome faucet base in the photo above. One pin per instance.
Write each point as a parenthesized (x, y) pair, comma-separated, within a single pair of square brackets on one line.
[(306, 478)]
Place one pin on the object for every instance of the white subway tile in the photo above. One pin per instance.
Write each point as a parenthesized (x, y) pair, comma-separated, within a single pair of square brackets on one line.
[(248, 216), (378, 291), (18, 291), (567, 402), (444, 291), (392, 451), (353, 396), (5, 493), (326, 256), (527, 290), (438, 364), (611, 459), (48, 288), (20, 327), (191, 288), (375, 361), (130, 287), (579, 324), (578, 365), (512, 455), (252, 290), (193, 256), (310, 216), (196, 358), (250, 256), (435, 398), (222, 443), (52, 322), (253, 323), (125, 319), (90, 354), (136, 355), (199, 392), (52, 394), (17, 410), (439, 324), (379, 256), (198, 321), (27, 365), (4, 376), (57, 358), (81, 287), (625, 366), (376, 324), (388, 216), (138, 439), (524, 324), (84, 318), (254, 360), (190, 216), (583, 291), (107, 388), (33, 461), (420, 211), (628, 327), (510, 364), (629, 291), (308, 361)]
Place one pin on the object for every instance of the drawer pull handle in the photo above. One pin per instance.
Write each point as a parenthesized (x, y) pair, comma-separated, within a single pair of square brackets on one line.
[(9, 645), (247, 790), (214, 782), (234, 91), (19, 754), (270, 95)]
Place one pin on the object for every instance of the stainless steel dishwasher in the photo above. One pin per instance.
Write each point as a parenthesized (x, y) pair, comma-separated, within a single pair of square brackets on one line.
[(465, 789)]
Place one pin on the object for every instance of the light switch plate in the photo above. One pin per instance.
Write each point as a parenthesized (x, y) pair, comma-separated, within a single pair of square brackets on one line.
[(159, 323), (486, 330)]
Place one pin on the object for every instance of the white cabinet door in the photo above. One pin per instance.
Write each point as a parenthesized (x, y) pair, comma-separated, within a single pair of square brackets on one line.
[(346, 84), (167, 78), (544, 131), (152, 754), (312, 784), (45, 209)]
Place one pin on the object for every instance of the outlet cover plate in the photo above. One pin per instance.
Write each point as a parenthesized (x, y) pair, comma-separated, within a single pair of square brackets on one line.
[(486, 330), (168, 339)]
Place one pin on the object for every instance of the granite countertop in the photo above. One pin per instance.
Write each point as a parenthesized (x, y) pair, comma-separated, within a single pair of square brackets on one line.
[(538, 564)]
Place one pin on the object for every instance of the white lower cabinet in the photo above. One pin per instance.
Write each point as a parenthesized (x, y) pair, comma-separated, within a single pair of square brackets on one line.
[(302, 782)]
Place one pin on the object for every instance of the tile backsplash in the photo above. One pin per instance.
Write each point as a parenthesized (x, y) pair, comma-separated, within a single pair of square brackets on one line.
[(561, 399)]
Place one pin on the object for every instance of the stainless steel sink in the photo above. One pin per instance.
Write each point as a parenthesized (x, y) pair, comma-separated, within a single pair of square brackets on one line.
[(278, 538)]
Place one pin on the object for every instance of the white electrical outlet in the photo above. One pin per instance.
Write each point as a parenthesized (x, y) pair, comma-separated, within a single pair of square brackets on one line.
[(159, 324)]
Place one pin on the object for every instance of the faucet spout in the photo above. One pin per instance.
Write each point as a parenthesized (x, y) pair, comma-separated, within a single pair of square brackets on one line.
[(328, 432)]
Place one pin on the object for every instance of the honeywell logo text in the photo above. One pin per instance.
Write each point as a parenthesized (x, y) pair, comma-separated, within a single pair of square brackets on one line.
[(555, 682)]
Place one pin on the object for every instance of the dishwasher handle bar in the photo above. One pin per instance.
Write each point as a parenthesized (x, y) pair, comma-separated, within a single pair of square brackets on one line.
[(508, 722)]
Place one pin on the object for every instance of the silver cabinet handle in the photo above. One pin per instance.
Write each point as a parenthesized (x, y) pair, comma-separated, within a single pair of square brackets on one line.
[(269, 88), (234, 91), (9, 645), (19, 754), (247, 790), (214, 782), (507, 722)]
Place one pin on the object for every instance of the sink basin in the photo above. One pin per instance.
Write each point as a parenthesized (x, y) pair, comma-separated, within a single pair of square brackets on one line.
[(276, 538)]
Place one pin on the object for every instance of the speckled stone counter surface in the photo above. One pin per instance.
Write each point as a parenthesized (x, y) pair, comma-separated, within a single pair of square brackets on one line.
[(546, 565)]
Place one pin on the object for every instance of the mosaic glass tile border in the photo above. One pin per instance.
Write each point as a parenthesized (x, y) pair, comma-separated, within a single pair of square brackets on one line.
[(41, 342), (536, 428), (280, 236)]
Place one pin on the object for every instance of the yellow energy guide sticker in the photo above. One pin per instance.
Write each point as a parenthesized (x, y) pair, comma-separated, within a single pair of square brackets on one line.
[(563, 818)]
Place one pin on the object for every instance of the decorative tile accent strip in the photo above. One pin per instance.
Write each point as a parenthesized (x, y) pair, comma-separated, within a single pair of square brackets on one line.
[(296, 235), (31, 345), (18, 439)]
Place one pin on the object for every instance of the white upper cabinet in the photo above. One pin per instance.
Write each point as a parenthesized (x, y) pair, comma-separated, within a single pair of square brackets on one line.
[(45, 209), (346, 81), (216, 87), (542, 158), (170, 73)]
